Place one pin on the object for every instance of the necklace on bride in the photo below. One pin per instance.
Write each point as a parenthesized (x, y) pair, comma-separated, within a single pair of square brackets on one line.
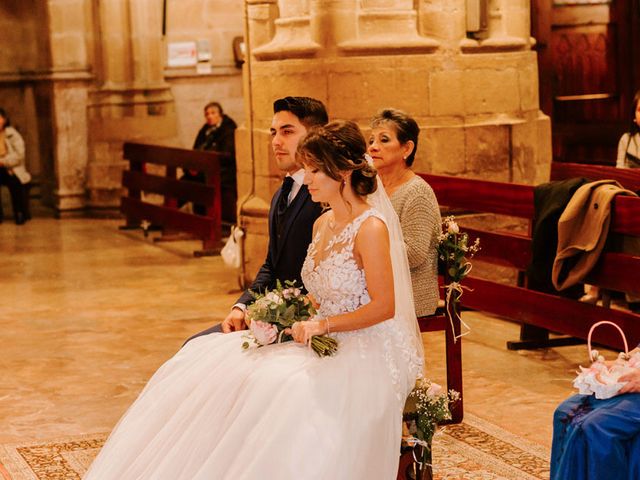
[(335, 226)]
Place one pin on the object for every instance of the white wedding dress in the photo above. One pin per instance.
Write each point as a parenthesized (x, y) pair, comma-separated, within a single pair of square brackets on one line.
[(215, 411)]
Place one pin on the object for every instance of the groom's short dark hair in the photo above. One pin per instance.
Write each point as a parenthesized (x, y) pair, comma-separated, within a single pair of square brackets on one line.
[(310, 112)]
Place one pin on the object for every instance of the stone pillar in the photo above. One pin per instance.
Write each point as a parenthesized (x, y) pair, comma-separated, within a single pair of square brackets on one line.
[(132, 102), (57, 87), (475, 99)]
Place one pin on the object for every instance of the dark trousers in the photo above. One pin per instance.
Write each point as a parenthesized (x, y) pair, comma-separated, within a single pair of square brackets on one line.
[(215, 329), (19, 196)]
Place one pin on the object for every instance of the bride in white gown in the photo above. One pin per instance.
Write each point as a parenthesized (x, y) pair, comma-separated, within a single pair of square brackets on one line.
[(215, 411)]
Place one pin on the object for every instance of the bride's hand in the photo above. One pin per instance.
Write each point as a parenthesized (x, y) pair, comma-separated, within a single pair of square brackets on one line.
[(303, 331)]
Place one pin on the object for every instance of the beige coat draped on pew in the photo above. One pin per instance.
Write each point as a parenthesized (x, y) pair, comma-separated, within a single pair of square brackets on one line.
[(582, 231)]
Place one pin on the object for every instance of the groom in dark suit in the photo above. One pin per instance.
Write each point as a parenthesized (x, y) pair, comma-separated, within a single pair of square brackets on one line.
[(292, 211)]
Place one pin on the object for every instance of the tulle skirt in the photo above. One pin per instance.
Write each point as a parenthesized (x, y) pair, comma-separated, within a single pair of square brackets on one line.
[(214, 411)]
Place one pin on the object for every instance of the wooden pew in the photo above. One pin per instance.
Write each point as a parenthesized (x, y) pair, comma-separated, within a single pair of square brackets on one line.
[(435, 323), (627, 177), (137, 180), (453, 350), (614, 270), (517, 303)]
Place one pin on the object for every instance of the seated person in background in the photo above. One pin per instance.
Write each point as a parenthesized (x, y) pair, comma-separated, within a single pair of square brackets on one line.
[(629, 157), (217, 134), (13, 173), (629, 144), (598, 439), (392, 145)]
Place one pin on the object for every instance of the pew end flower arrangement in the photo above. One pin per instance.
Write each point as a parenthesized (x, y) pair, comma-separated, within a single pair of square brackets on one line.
[(276, 310), (455, 252), (428, 405)]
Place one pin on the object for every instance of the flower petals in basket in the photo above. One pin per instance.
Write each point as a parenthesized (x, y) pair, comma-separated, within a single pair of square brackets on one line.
[(601, 378)]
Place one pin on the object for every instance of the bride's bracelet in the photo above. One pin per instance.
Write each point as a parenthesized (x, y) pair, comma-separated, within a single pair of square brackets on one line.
[(326, 322)]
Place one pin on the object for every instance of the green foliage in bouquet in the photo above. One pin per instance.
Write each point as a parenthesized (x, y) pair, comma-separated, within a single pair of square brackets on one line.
[(454, 253), (276, 310), (282, 306), (454, 250)]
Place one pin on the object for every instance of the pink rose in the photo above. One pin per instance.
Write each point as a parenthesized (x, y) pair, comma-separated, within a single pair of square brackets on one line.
[(434, 390), (263, 332)]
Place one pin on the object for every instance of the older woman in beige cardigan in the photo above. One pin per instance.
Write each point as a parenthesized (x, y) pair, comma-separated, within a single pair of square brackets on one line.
[(13, 172), (392, 145)]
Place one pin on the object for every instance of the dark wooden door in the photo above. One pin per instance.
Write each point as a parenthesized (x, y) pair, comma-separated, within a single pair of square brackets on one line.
[(588, 66)]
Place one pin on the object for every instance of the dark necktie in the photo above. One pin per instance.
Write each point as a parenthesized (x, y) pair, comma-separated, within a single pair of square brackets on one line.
[(283, 201), (282, 204)]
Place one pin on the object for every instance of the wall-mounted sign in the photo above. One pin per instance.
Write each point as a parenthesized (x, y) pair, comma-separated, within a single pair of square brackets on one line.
[(182, 54)]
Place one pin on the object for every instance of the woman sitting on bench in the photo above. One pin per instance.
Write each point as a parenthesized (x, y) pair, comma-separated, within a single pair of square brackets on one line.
[(629, 157), (13, 172), (392, 145), (598, 439)]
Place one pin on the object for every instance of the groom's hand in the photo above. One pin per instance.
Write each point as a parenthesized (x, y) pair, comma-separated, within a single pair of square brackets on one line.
[(234, 321)]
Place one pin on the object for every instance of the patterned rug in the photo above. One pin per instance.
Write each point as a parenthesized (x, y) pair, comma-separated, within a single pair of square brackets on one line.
[(473, 450)]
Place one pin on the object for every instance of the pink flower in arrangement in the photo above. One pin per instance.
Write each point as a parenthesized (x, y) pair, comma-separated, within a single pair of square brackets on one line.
[(434, 390), (264, 333), (452, 227)]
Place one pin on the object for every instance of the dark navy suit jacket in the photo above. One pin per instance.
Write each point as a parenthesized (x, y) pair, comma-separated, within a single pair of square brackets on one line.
[(286, 254)]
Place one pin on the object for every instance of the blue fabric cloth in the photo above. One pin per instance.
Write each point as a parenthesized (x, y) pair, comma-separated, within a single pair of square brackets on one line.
[(596, 439)]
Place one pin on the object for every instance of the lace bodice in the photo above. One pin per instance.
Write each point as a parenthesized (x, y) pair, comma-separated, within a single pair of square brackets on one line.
[(336, 281)]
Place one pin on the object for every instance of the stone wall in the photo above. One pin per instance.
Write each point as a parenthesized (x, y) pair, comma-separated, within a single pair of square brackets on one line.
[(80, 77), (218, 22), (474, 94)]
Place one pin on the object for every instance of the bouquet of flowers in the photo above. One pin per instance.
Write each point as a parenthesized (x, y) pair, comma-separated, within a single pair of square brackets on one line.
[(454, 251), (427, 405), (277, 310)]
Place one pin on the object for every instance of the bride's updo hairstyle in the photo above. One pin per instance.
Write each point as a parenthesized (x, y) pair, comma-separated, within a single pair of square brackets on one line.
[(336, 148)]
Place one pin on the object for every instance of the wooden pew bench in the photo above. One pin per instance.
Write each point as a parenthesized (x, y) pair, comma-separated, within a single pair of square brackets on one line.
[(140, 178), (614, 271), (627, 177)]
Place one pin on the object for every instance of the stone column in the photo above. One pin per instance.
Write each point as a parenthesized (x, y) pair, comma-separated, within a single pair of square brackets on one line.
[(131, 102), (60, 84)]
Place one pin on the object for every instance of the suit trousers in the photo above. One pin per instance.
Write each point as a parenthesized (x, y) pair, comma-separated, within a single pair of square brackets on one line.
[(215, 329)]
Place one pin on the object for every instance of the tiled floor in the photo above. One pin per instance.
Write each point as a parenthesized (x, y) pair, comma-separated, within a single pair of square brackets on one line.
[(88, 312)]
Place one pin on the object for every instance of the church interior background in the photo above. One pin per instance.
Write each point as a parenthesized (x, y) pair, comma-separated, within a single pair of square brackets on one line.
[(500, 88)]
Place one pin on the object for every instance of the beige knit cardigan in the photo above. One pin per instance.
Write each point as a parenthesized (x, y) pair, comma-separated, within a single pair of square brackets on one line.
[(417, 207)]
